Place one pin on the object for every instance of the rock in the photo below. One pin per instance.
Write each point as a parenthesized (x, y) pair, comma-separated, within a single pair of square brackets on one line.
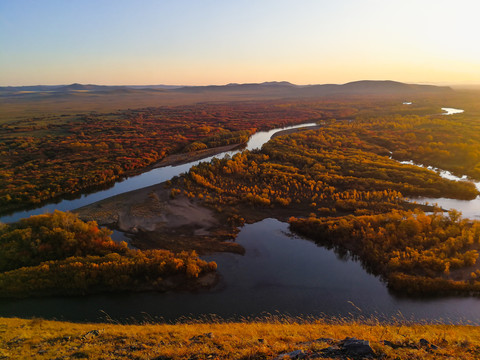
[(348, 348), (427, 344), (331, 350), (398, 346), (91, 334), (392, 345), (356, 347), (424, 342)]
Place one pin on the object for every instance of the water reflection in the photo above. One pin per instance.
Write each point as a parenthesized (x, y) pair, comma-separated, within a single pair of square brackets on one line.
[(280, 273)]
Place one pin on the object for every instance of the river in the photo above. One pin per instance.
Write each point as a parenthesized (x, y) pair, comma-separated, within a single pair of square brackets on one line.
[(279, 273), (451, 111), (145, 179), (470, 208)]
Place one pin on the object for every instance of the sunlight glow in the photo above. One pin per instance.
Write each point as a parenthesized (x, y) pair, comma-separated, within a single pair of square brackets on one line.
[(188, 42)]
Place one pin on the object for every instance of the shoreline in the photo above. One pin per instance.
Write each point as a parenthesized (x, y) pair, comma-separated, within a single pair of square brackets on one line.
[(175, 159), (184, 158), (292, 131)]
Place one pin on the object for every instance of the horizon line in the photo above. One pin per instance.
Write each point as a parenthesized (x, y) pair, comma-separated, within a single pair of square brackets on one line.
[(256, 83)]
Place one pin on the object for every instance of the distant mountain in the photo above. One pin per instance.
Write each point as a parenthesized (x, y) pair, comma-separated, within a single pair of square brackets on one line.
[(240, 87), (356, 87), (30, 88), (388, 86), (271, 88), (82, 87)]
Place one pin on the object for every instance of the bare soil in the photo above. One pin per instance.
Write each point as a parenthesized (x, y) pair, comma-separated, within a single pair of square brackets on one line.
[(155, 220)]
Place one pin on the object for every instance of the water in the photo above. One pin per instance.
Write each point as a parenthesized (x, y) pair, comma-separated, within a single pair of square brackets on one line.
[(120, 236), (148, 178), (469, 208), (451, 111), (279, 273)]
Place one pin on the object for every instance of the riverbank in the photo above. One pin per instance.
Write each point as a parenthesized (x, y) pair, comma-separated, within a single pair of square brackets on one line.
[(156, 218), (262, 339), (292, 131), (183, 158)]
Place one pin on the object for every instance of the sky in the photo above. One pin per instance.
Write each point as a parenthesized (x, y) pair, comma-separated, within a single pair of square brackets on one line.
[(200, 42)]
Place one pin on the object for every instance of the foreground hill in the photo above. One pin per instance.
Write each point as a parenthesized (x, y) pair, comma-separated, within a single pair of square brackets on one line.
[(287, 339)]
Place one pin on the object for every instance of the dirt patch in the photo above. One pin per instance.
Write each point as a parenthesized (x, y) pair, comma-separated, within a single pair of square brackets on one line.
[(156, 220)]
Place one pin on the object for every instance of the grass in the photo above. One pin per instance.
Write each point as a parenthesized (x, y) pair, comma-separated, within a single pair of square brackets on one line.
[(18, 108), (44, 339)]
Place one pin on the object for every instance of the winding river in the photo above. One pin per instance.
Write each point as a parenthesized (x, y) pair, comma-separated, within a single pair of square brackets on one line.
[(279, 273), (145, 179), (470, 208)]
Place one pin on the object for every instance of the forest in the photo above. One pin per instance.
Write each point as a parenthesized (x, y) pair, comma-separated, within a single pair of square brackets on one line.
[(52, 155), (415, 253), (46, 157), (325, 171), (59, 254), (348, 192), (340, 182)]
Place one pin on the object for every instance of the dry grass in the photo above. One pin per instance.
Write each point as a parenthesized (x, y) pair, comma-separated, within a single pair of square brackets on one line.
[(42, 339)]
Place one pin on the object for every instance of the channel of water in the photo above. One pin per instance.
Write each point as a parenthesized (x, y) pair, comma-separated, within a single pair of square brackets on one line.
[(145, 179), (280, 273)]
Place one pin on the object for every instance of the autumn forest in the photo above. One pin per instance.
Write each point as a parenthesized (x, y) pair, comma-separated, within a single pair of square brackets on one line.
[(341, 184)]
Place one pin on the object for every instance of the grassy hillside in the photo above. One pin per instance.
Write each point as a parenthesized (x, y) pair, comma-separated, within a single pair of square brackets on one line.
[(41, 339)]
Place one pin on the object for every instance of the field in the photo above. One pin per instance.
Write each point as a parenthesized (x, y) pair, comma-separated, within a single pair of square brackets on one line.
[(262, 339)]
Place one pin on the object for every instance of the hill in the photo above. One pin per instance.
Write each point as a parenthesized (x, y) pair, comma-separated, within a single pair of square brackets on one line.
[(288, 89), (274, 87), (263, 339)]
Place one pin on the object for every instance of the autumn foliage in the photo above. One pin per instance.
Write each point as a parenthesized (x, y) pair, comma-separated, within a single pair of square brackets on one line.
[(324, 171), (58, 254), (47, 157), (414, 252)]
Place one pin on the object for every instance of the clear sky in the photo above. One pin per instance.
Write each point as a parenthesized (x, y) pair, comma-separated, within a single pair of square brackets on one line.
[(194, 42)]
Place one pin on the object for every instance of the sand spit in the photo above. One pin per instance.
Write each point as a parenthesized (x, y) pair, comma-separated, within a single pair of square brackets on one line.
[(156, 220)]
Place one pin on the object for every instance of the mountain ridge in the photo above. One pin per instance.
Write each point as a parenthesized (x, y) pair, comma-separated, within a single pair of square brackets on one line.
[(370, 86)]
